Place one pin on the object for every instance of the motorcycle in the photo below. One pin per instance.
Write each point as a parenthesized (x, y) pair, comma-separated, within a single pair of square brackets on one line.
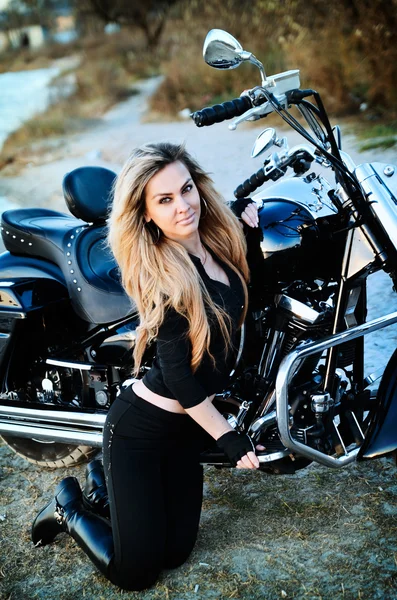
[(299, 386)]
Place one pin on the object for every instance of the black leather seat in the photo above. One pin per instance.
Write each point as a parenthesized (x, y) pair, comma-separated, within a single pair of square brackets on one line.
[(37, 232), (78, 248)]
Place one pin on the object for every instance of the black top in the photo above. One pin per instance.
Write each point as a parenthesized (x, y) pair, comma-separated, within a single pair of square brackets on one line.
[(171, 375)]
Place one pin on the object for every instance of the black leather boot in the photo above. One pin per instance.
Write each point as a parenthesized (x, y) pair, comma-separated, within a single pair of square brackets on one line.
[(48, 522), (95, 495), (66, 512)]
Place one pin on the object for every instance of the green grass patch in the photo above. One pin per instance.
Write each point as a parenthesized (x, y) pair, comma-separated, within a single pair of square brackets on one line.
[(375, 136), (383, 144)]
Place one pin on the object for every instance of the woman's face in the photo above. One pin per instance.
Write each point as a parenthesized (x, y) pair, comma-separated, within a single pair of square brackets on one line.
[(172, 202)]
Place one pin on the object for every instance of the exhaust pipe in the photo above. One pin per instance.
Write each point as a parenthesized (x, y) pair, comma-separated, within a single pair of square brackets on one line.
[(51, 425)]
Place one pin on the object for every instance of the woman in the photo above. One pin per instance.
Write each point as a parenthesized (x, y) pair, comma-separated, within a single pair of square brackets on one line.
[(182, 259)]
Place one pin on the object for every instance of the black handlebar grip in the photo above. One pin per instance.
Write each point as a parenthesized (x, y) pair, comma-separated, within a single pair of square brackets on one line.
[(251, 184), (221, 112)]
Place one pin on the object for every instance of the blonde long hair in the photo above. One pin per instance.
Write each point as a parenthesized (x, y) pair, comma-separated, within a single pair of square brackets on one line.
[(157, 271)]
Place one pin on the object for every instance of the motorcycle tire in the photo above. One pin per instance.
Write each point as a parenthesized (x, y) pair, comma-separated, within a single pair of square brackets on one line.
[(52, 455)]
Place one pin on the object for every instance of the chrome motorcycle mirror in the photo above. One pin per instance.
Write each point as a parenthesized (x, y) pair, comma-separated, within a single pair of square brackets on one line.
[(222, 51), (265, 140)]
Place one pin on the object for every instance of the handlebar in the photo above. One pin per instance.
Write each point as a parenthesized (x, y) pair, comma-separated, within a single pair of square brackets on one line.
[(221, 112), (251, 184)]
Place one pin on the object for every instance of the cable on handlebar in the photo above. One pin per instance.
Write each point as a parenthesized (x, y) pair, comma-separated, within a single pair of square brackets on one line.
[(292, 122), (313, 117)]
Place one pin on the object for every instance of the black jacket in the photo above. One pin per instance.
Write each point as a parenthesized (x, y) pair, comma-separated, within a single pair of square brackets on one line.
[(171, 375)]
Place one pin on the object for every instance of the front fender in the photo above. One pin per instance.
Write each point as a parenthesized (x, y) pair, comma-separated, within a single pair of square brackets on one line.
[(381, 437)]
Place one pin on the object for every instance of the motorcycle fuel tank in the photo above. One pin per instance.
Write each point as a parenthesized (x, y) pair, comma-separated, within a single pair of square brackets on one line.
[(311, 192), (283, 246)]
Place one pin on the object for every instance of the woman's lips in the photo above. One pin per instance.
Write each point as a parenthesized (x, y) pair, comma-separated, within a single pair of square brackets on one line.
[(187, 220)]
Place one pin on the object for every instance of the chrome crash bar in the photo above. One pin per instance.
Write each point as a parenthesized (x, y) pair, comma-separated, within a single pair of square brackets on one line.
[(288, 368)]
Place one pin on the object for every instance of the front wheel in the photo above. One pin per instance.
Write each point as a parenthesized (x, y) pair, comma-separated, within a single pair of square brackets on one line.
[(51, 455)]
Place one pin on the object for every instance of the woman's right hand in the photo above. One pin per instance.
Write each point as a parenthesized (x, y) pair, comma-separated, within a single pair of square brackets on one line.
[(239, 449), (250, 460)]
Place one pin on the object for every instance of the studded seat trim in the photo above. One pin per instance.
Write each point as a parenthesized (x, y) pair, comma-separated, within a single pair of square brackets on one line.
[(89, 269)]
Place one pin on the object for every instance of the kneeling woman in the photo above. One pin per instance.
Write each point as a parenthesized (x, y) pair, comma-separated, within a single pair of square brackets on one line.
[(181, 254)]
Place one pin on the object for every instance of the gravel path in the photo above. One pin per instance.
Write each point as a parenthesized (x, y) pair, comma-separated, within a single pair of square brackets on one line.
[(318, 534)]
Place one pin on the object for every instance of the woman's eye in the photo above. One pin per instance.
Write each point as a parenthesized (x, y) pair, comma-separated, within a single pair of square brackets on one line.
[(165, 200), (188, 188)]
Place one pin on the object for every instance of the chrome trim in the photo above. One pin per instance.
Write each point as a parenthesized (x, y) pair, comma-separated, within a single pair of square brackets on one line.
[(350, 312), (380, 196), (262, 422), (263, 458), (321, 403), (240, 349), (53, 416), (69, 364), (342, 443), (287, 370), (297, 308), (347, 159), (362, 254), (313, 195), (87, 438), (270, 351), (372, 377), (51, 425), (357, 425), (266, 458)]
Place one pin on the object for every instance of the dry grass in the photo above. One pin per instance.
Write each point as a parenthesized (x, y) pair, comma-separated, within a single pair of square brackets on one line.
[(350, 58), (319, 534), (189, 82)]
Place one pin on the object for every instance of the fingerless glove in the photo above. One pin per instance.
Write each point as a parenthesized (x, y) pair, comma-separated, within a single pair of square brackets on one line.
[(239, 206), (235, 445)]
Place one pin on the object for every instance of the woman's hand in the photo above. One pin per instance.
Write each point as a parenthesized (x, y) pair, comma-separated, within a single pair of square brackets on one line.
[(239, 449), (250, 460), (246, 210), (250, 215)]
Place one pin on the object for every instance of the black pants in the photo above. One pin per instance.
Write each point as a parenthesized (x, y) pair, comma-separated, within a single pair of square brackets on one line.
[(155, 484)]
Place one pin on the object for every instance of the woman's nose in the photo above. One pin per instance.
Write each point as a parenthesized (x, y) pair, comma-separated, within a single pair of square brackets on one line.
[(182, 205)]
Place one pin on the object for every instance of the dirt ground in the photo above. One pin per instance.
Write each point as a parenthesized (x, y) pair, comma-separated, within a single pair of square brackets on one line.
[(319, 534)]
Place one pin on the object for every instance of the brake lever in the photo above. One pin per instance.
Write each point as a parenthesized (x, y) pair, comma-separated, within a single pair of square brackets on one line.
[(259, 111), (252, 112)]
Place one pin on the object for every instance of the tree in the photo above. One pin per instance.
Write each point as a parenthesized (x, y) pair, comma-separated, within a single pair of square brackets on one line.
[(150, 15), (20, 13)]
